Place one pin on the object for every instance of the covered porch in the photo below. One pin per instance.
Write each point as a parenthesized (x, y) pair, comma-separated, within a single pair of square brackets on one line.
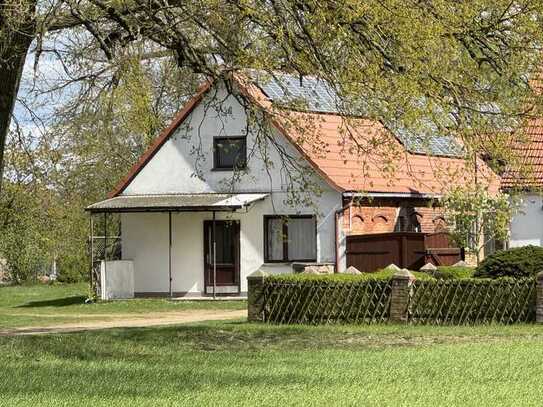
[(180, 245)]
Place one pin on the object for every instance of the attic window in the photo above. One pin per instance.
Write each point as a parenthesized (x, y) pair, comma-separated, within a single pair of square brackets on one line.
[(229, 153)]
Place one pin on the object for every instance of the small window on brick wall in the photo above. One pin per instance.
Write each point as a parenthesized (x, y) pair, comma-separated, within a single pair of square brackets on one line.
[(407, 221)]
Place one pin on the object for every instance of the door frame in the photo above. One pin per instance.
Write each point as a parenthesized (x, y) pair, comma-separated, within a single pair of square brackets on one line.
[(237, 257)]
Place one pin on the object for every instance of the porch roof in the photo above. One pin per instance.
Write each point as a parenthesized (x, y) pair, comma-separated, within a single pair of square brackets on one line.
[(207, 202)]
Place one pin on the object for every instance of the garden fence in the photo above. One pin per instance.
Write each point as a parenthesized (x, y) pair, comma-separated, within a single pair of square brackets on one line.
[(326, 302), (402, 298), (471, 301)]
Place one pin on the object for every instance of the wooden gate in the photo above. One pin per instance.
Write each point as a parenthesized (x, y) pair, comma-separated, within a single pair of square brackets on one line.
[(411, 250)]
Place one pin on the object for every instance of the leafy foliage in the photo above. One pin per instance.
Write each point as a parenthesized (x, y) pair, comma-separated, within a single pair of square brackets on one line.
[(454, 68), (352, 299), (517, 262), (452, 273), (384, 274), (320, 300), (477, 216), (24, 234), (51, 176)]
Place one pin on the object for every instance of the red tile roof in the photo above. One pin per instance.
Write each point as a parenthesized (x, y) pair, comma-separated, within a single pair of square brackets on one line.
[(361, 155), (528, 171), (351, 154)]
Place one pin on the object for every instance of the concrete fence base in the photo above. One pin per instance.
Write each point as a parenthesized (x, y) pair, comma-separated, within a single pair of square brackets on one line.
[(117, 280), (255, 295)]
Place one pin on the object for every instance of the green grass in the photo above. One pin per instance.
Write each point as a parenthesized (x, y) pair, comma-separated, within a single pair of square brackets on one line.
[(235, 363), (41, 305)]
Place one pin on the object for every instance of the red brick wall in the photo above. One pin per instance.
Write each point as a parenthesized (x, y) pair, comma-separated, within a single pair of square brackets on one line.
[(381, 216)]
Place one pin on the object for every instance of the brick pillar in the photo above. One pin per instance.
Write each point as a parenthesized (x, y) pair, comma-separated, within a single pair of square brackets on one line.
[(539, 298), (255, 296), (399, 297)]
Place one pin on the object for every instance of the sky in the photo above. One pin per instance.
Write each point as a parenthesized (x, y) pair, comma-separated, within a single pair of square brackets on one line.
[(34, 111)]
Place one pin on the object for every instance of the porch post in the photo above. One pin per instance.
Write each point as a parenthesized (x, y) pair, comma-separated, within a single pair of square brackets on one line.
[(91, 275), (214, 259), (105, 243), (170, 252)]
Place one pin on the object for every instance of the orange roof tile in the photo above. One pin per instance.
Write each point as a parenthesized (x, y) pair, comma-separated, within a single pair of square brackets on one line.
[(361, 155), (528, 171)]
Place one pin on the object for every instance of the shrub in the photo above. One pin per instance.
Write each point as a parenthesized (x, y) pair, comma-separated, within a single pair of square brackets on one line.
[(452, 273), (72, 269), (517, 263), (384, 274)]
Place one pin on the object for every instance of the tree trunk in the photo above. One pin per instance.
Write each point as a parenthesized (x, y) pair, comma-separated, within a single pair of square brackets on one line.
[(13, 49)]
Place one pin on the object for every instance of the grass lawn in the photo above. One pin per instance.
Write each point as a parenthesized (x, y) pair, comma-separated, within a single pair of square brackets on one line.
[(236, 363), (41, 305)]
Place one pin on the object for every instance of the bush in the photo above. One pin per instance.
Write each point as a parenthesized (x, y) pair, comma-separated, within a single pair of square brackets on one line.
[(452, 273), (518, 262), (72, 269)]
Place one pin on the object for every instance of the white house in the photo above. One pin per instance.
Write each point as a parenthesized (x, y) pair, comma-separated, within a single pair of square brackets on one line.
[(238, 182), (527, 223)]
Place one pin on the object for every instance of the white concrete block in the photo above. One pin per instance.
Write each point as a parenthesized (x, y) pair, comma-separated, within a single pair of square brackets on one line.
[(117, 279)]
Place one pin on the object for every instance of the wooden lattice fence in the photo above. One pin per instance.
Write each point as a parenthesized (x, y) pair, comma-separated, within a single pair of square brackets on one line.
[(400, 299), (318, 302), (471, 301)]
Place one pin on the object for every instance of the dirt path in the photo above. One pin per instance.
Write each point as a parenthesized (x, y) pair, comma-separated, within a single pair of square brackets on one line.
[(131, 321)]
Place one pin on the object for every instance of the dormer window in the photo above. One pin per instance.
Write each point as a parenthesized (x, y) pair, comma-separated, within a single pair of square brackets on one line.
[(229, 153)]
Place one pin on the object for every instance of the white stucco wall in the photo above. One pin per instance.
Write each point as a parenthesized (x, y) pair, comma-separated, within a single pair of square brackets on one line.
[(527, 224), (145, 241), (184, 165)]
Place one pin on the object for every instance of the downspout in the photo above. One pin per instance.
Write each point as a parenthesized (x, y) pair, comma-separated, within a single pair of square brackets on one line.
[(105, 248), (170, 253), (336, 240), (338, 213), (91, 275), (214, 259), (351, 216)]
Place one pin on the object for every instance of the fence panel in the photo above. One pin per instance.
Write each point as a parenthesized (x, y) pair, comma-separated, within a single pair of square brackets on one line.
[(405, 249), (470, 301), (323, 302)]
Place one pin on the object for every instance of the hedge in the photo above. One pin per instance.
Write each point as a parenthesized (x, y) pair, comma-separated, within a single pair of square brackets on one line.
[(384, 274), (452, 272)]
